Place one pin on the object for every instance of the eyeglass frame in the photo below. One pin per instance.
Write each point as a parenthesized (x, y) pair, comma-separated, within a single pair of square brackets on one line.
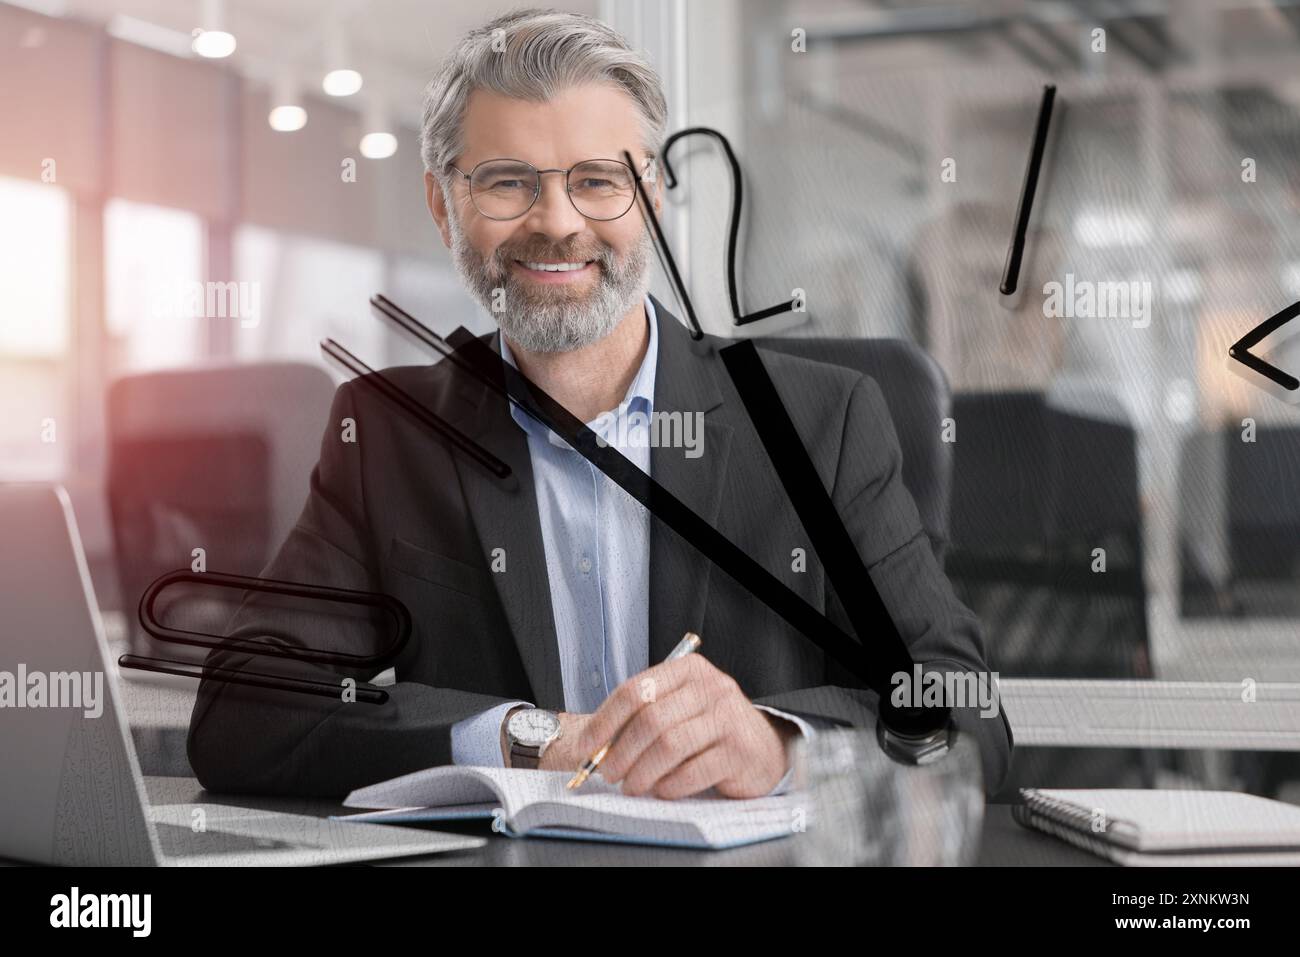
[(537, 191)]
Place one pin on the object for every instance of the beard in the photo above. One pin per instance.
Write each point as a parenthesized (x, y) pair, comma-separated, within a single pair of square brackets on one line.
[(544, 317)]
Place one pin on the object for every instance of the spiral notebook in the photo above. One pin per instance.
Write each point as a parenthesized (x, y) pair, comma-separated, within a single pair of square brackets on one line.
[(1168, 828), (536, 803)]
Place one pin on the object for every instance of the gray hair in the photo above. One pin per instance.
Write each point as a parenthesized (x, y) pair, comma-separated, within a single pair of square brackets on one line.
[(534, 55)]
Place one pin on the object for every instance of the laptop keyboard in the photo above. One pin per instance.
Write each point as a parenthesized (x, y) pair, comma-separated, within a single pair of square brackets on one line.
[(177, 841)]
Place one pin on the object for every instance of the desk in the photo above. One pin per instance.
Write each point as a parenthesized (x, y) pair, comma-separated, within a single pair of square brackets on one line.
[(1005, 843)]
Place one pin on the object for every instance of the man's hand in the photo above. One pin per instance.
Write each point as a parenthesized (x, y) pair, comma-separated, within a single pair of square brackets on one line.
[(686, 727), (562, 754)]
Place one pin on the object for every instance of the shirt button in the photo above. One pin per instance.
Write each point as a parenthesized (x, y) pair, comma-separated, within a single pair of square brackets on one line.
[(584, 564), (595, 679)]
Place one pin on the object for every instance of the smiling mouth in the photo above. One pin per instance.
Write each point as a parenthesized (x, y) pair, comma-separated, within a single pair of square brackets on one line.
[(555, 267)]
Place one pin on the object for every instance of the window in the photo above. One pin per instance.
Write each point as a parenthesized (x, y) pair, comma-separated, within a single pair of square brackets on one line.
[(153, 265), (35, 317), (307, 290)]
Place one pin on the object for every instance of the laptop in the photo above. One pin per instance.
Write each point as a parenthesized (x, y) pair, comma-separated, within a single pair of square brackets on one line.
[(71, 791)]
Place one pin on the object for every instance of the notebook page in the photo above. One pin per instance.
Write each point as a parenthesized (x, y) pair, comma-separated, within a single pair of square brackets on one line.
[(512, 788), (432, 787), (705, 819)]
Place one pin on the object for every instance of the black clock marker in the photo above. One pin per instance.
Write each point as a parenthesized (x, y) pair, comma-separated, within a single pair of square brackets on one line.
[(733, 225), (1240, 350), (1016, 253)]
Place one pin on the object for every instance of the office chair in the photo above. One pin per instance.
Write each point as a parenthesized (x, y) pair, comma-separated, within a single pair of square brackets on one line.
[(1239, 551), (1036, 490), (1263, 520), (916, 391), (214, 458), (1202, 518)]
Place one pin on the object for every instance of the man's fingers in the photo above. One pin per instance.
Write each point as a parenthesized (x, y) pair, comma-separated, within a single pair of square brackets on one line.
[(648, 726), (628, 698), (697, 774), (676, 746)]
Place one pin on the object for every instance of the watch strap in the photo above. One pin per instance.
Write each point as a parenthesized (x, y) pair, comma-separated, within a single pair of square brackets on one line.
[(524, 756)]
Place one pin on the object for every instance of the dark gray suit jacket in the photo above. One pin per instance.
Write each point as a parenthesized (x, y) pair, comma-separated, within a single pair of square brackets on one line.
[(397, 511)]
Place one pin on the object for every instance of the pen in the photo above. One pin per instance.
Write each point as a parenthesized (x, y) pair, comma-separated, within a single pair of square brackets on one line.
[(690, 643)]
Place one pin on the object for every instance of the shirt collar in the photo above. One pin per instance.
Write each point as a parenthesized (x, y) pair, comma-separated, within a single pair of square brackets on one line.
[(638, 398)]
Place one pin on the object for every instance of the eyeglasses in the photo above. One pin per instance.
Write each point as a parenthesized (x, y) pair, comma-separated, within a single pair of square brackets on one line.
[(504, 189)]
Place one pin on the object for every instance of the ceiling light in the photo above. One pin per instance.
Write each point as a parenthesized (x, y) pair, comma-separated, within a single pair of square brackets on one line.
[(341, 82), (287, 119), (287, 112), (378, 145), (341, 79), (378, 141), (211, 39), (214, 44)]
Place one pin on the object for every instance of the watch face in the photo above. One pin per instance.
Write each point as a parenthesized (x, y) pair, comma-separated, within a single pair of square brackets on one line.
[(533, 727)]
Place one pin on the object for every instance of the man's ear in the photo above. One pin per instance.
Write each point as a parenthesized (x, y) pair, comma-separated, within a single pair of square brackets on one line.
[(437, 203), (655, 186)]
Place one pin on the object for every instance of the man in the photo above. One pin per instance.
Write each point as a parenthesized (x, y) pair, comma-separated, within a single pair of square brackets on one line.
[(553, 590)]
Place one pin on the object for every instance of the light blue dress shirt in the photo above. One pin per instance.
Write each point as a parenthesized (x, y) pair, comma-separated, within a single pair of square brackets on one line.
[(597, 542)]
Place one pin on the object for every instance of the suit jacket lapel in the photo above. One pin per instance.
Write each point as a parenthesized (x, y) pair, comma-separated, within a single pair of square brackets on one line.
[(679, 574), (505, 511), (505, 515)]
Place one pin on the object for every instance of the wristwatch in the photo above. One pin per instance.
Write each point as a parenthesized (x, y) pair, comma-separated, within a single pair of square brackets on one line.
[(530, 732)]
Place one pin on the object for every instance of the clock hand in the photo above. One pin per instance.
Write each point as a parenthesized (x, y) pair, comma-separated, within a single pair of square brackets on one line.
[(876, 669)]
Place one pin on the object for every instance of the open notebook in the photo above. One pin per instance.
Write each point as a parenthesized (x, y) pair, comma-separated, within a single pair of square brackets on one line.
[(537, 803), (1168, 827)]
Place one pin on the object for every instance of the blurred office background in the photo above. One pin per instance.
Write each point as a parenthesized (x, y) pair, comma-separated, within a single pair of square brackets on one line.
[(883, 144)]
